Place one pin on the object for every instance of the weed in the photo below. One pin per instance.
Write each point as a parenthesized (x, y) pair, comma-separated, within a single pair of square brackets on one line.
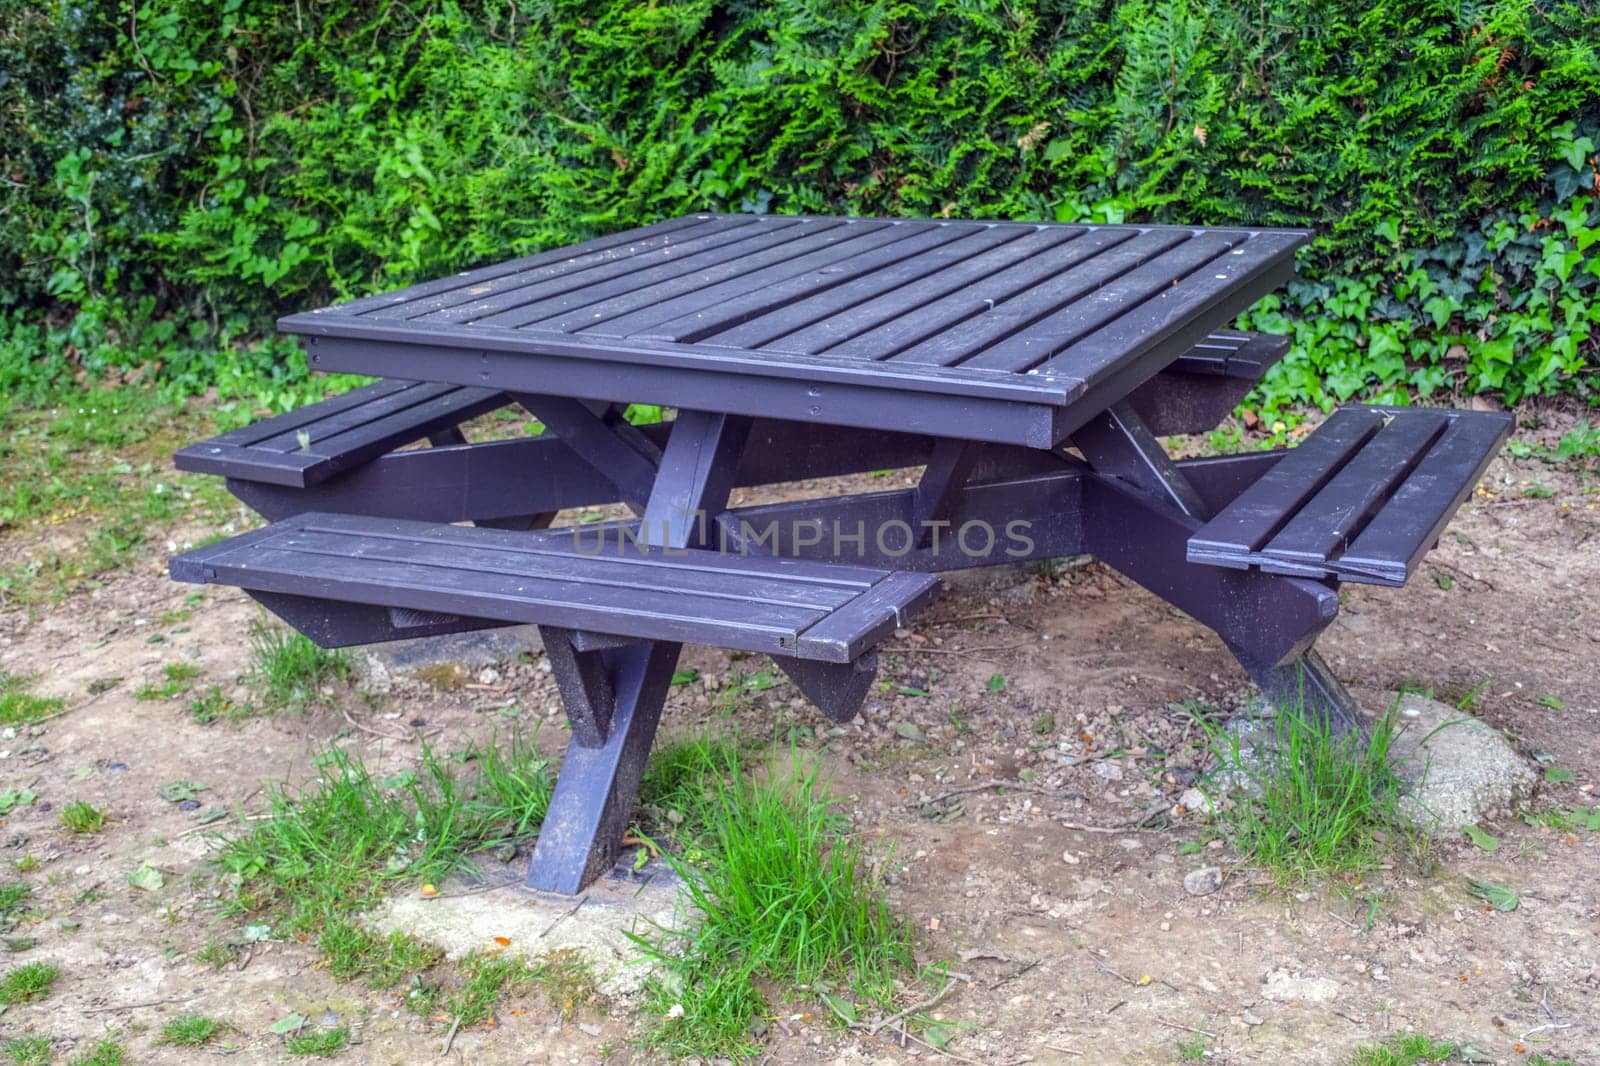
[(191, 1030), (177, 678), (488, 977), (444, 677), (334, 845), (1192, 1050), (209, 705), (18, 706), (288, 670), (28, 983), (218, 953), (81, 817), (322, 1043), (351, 951), (785, 894), (1406, 1049), (106, 1052), (28, 1051), (1313, 802), (12, 896)]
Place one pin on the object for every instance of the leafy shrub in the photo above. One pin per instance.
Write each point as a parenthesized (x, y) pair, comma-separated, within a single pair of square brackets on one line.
[(177, 174)]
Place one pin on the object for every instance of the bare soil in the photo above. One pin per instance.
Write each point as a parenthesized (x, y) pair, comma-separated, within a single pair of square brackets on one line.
[(1071, 945)]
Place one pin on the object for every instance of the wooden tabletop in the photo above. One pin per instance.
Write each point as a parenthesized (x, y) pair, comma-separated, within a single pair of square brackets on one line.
[(1015, 332)]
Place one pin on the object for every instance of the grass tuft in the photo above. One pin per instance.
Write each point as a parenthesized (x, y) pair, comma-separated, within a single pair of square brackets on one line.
[(19, 706), (1405, 1049), (784, 894), (323, 1043), (383, 962), (106, 1052), (81, 817), (191, 1030), (334, 846), (288, 670), (28, 1051), (488, 977), (1310, 803), (28, 983)]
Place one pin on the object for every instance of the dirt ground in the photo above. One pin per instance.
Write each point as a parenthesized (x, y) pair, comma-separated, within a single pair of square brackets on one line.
[(1072, 946)]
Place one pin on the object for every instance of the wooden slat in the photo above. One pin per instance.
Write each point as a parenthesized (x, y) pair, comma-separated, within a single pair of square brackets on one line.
[(571, 263), (353, 417), (1198, 290), (977, 319), (668, 277), (256, 432), (1325, 523), (1091, 308), (926, 319), (614, 564), (431, 289), (819, 322), (1262, 509), (625, 316), (1410, 523), (707, 313), (698, 248), (749, 603)]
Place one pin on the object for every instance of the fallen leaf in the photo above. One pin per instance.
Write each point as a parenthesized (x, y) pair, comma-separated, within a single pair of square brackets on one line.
[(1497, 896), (1486, 841), (147, 877), (503, 941)]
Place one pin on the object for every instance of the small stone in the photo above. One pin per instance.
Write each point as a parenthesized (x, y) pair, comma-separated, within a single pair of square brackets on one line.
[(1070, 859), (1197, 803), (590, 1029), (1203, 882), (1108, 770), (1281, 987), (1250, 1018)]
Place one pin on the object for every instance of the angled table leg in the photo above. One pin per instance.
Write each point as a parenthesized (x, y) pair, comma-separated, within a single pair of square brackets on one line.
[(605, 760), (1273, 637)]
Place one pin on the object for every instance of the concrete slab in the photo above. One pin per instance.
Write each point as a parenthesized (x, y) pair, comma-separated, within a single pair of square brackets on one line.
[(1456, 768), (465, 918)]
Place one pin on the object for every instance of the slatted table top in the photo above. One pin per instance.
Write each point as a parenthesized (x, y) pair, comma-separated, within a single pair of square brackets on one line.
[(1010, 331)]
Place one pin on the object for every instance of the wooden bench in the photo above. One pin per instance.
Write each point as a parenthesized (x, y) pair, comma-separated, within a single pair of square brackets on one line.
[(1362, 499), (426, 574), (312, 444)]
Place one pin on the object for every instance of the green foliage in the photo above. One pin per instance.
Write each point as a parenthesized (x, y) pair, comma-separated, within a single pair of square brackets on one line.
[(18, 705), (783, 894), (27, 983), (177, 174), (288, 670), (191, 1030), (1310, 802), (1404, 1049)]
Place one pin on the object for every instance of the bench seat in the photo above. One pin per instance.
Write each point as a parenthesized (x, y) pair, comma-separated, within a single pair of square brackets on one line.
[(1361, 499), (822, 612), (310, 445)]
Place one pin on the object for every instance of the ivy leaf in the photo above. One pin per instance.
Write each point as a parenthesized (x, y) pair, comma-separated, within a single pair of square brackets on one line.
[(147, 877), (997, 683), (1497, 896), (1485, 841), (1556, 775), (180, 791), (288, 1024)]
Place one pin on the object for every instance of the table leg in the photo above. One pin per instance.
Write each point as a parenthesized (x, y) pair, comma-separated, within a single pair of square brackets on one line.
[(582, 833), (1269, 622)]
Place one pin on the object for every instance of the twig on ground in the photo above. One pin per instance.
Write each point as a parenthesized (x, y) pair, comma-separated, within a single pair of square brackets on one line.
[(1135, 821), (958, 651), (404, 738), (450, 1037), (1187, 1028), (900, 1016), (132, 1006), (1454, 569), (581, 901), (1542, 1028), (1062, 1050), (1015, 786)]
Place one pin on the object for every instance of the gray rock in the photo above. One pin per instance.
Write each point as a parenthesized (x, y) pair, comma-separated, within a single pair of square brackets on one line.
[(1282, 987), (1202, 882), (1455, 768)]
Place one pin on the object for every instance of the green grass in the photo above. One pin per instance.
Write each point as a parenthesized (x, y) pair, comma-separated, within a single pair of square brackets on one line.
[(106, 1052), (288, 671), (487, 978), (81, 817), (28, 1051), (176, 679), (322, 1043), (12, 896), (218, 953), (1192, 1050), (28, 983), (19, 706), (785, 896), (1319, 804), (333, 847), (191, 1030), (353, 952), (98, 457), (209, 705), (1406, 1049)]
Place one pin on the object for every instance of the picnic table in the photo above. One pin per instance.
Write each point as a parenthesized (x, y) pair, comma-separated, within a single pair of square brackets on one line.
[(1029, 369)]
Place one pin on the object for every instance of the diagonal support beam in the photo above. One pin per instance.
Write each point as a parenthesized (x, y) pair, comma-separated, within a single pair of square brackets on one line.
[(936, 494), (1118, 443), (585, 686), (594, 793), (617, 451)]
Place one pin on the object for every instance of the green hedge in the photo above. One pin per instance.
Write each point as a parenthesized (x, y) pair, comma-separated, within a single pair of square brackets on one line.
[(177, 173)]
